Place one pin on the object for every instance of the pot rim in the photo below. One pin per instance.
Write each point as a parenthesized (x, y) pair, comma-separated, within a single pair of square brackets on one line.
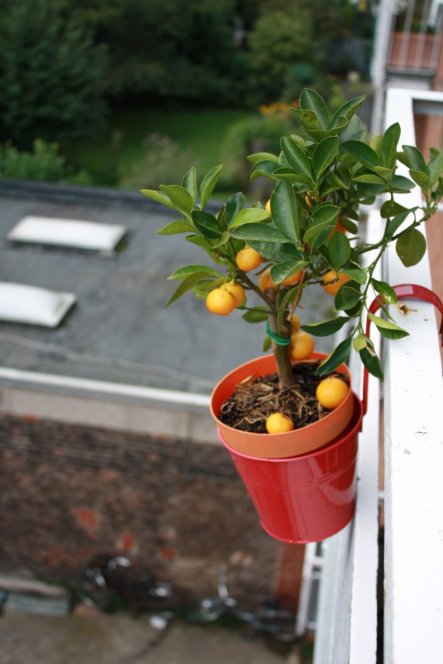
[(276, 436), (350, 430)]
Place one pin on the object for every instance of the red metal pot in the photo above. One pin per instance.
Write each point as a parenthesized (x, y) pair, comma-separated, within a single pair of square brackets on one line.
[(308, 497)]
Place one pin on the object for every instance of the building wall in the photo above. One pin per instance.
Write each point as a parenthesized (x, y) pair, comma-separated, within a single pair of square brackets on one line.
[(69, 492)]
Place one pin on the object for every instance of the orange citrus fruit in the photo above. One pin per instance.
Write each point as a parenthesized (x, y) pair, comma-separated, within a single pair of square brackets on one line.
[(220, 302), (279, 423), (293, 279), (265, 280), (295, 323), (248, 259), (237, 291), (331, 392), (334, 281), (302, 345), (268, 206)]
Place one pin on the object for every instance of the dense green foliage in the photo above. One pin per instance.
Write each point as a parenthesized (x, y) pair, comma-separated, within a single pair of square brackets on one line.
[(43, 163), (50, 74), (321, 176)]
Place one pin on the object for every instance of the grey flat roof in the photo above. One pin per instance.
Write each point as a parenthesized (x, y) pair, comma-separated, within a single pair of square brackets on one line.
[(119, 330)]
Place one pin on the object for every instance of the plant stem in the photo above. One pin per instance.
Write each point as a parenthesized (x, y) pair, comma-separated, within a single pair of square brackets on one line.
[(282, 353)]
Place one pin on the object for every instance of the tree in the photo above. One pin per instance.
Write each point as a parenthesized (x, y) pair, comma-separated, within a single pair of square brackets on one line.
[(279, 39), (173, 50), (51, 74)]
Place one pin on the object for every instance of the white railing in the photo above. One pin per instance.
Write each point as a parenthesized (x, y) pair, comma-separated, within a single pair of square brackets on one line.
[(406, 413)]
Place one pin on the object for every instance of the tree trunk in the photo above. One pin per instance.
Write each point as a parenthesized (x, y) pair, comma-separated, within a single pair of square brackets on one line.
[(282, 353)]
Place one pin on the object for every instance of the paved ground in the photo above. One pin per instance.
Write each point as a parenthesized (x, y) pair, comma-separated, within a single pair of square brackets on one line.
[(96, 638)]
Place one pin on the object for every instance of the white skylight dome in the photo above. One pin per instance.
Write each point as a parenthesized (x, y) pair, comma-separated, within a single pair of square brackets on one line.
[(74, 233), (20, 303)]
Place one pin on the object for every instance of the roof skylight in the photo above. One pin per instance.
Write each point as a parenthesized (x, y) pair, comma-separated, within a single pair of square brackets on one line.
[(35, 306), (73, 233)]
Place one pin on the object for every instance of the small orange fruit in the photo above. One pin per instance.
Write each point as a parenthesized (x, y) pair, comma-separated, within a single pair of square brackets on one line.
[(334, 281), (331, 392), (220, 302), (265, 280), (302, 345), (237, 291), (268, 206), (293, 279), (295, 323), (279, 423), (248, 259)]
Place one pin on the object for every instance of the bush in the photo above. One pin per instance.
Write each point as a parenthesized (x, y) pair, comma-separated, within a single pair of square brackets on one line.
[(51, 74), (44, 163)]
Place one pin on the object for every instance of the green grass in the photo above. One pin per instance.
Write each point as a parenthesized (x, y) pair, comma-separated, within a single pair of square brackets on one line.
[(199, 135)]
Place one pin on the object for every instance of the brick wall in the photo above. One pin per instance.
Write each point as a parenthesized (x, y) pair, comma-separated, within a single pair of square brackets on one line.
[(68, 492)]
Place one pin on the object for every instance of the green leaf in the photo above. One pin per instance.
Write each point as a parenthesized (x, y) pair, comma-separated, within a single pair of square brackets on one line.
[(225, 237), (180, 197), (371, 361), (360, 342), (186, 285), (410, 247), (401, 185), (422, 179), (190, 182), (267, 343), (326, 327), (158, 197), (435, 167), (276, 252), (256, 315), (234, 204), (350, 225), (282, 271), (385, 173), (388, 146), (321, 223), (248, 216), (369, 178), (176, 227), (337, 357), (339, 249), (391, 208), (384, 289), (324, 155), (264, 169), (284, 211), (259, 232), (296, 158), (388, 329), (348, 296), (357, 274), (262, 156), (207, 224), (395, 223), (289, 174), (208, 183), (348, 109), (186, 270), (307, 119), (363, 153), (312, 101), (415, 159)]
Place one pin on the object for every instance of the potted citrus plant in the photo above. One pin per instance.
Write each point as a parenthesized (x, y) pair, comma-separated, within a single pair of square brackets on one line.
[(293, 402)]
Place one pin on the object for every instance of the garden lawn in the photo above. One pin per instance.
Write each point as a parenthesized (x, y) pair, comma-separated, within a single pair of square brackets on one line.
[(198, 136)]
